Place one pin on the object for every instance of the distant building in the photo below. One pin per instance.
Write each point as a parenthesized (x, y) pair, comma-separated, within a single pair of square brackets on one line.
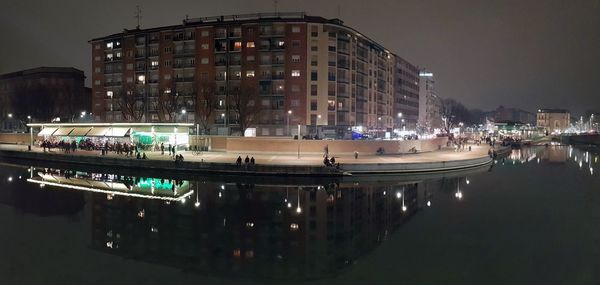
[(406, 94), (42, 94), (503, 114), (266, 71), (430, 105), (553, 119)]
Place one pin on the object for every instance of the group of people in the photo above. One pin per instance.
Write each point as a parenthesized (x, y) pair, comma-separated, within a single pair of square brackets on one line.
[(172, 150), (330, 162), (178, 158), (247, 161)]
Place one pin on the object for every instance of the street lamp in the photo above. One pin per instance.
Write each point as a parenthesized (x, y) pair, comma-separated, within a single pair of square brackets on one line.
[(289, 113), (183, 114), (317, 124), (10, 115)]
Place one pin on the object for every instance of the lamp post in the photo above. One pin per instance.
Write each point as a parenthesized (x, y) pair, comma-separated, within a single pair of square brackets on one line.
[(30, 133), (400, 116), (403, 125), (289, 113), (183, 113), (317, 124)]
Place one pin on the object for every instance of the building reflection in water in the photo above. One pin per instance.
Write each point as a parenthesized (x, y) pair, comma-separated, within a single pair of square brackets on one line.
[(232, 228)]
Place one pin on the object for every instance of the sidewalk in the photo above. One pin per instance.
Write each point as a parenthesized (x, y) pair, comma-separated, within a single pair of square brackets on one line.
[(443, 155)]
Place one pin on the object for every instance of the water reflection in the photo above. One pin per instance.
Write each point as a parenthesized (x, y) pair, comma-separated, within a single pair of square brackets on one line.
[(585, 159), (241, 227)]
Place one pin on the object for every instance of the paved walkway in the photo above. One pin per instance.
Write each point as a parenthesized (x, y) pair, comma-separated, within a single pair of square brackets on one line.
[(445, 154)]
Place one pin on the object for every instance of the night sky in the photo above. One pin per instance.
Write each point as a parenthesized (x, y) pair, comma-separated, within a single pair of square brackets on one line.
[(524, 53)]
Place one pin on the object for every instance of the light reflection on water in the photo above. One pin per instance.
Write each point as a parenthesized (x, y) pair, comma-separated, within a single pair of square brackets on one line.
[(253, 228)]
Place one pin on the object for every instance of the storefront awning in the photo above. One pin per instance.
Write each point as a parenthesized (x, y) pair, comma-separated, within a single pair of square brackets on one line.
[(63, 131), (47, 131), (98, 131), (117, 132), (80, 131)]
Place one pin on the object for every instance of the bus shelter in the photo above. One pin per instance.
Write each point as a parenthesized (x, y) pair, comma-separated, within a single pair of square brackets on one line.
[(148, 136)]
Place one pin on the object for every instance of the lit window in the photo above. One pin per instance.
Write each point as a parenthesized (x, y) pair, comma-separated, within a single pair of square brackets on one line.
[(109, 45), (109, 94), (204, 46), (250, 58), (280, 43), (97, 69), (293, 226), (250, 73), (237, 253), (154, 63), (295, 73), (295, 58), (118, 54), (237, 45), (250, 44), (295, 29), (141, 79), (204, 33), (249, 224), (204, 60), (109, 56), (97, 82)]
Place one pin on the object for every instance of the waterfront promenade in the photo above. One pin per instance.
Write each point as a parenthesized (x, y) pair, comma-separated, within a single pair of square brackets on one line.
[(426, 161)]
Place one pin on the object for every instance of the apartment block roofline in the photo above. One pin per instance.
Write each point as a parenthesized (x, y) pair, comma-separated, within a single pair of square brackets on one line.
[(244, 19), (553, 111), (42, 69)]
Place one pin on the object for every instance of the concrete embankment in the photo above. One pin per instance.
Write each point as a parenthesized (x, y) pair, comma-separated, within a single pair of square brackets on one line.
[(420, 163), (169, 165)]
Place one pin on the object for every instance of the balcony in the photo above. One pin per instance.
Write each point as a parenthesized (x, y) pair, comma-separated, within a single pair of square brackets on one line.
[(109, 84), (184, 79), (184, 65), (221, 62), (184, 52)]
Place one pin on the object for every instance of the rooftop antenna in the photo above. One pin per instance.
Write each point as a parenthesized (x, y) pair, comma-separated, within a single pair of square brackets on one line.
[(339, 11), (275, 3), (138, 15)]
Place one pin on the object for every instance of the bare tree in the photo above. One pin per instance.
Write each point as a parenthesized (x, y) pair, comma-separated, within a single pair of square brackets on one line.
[(205, 104), (452, 113), (246, 105), (131, 108), (168, 102)]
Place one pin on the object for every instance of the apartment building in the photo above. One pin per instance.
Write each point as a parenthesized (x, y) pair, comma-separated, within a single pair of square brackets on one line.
[(271, 72)]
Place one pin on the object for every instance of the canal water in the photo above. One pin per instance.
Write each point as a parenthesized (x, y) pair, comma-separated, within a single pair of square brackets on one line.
[(531, 218)]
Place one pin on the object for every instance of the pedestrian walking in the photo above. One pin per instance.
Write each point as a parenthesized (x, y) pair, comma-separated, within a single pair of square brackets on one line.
[(355, 154)]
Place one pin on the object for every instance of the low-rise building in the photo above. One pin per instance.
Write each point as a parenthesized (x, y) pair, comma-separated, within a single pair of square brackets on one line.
[(42, 94), (553, 120)]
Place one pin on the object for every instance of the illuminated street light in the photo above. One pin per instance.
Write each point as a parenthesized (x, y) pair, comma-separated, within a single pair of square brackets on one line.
[(10, 115), (289, 112)]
